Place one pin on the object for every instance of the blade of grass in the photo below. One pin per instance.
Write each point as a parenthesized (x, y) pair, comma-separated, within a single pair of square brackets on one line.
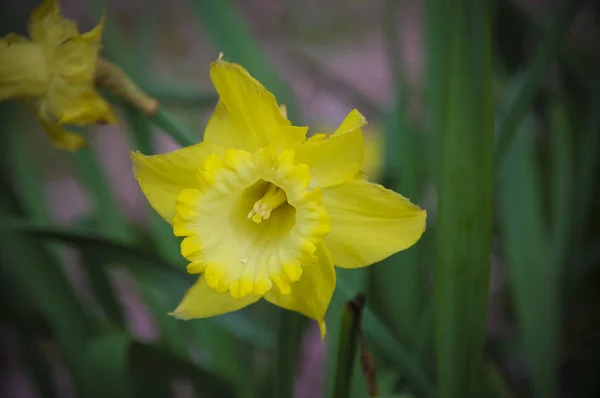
[(464, 224), (534, 76), (529, 256)]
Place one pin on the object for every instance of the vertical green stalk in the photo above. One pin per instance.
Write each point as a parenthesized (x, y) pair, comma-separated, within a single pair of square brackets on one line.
[(532, 267), (291, 326), (346, 350), (465, 185)]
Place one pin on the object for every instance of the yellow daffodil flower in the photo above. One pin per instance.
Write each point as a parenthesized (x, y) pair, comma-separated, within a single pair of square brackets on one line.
[(53, 72), (265, 212)]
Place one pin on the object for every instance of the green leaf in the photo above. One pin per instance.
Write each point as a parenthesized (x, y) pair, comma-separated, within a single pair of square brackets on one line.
[(465, 182), (534, 76), (108, 364), (529, 255)]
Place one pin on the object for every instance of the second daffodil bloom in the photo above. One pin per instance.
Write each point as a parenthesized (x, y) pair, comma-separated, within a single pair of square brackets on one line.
[(53, 72), (265, 212)]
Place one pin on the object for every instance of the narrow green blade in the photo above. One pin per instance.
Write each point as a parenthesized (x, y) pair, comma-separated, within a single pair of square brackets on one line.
[(465, 181)]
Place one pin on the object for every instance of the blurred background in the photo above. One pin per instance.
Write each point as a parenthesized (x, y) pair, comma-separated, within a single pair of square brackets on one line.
[(487, 114)]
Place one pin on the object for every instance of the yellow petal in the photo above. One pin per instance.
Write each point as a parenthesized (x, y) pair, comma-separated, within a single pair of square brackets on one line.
[(78, 106), (74, 61), (60, 138), (311, 295), (201, 301), (48, 26), (369, 223), (336, 159), (354, 120), (163, 177), (23, 68), (70, 96), (247, 116)]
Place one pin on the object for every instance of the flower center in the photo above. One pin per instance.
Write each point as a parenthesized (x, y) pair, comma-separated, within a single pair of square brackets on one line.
[(273, 198), (251, 223)]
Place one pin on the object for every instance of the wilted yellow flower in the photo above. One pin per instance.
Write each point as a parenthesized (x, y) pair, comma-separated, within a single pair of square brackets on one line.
[(265, 212), (53, 72)]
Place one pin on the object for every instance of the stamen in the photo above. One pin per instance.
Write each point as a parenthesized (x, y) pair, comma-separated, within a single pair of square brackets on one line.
[(272, 199)]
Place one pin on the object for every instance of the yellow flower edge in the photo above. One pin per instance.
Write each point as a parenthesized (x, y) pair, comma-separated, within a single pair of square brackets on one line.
[(266, 213), (53, 73)]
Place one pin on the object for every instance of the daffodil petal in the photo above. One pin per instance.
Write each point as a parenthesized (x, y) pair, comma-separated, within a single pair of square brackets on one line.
[(338, 158), (60, 138), (47, 25), (79, 106), (354, 120), (75, 59), (162, 177), (369, 223), (247, 116), (311, 294), (23, 68), (201, 301)]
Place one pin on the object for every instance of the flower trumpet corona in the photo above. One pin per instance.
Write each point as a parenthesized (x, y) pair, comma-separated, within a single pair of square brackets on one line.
[(265, 212), (53, 72)]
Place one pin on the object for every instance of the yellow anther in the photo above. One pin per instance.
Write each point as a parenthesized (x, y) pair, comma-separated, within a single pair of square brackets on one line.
[(272, 199)]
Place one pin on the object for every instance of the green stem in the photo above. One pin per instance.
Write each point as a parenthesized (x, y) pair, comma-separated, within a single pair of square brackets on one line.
[(173, 127), (348, 342), (286, 358)]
